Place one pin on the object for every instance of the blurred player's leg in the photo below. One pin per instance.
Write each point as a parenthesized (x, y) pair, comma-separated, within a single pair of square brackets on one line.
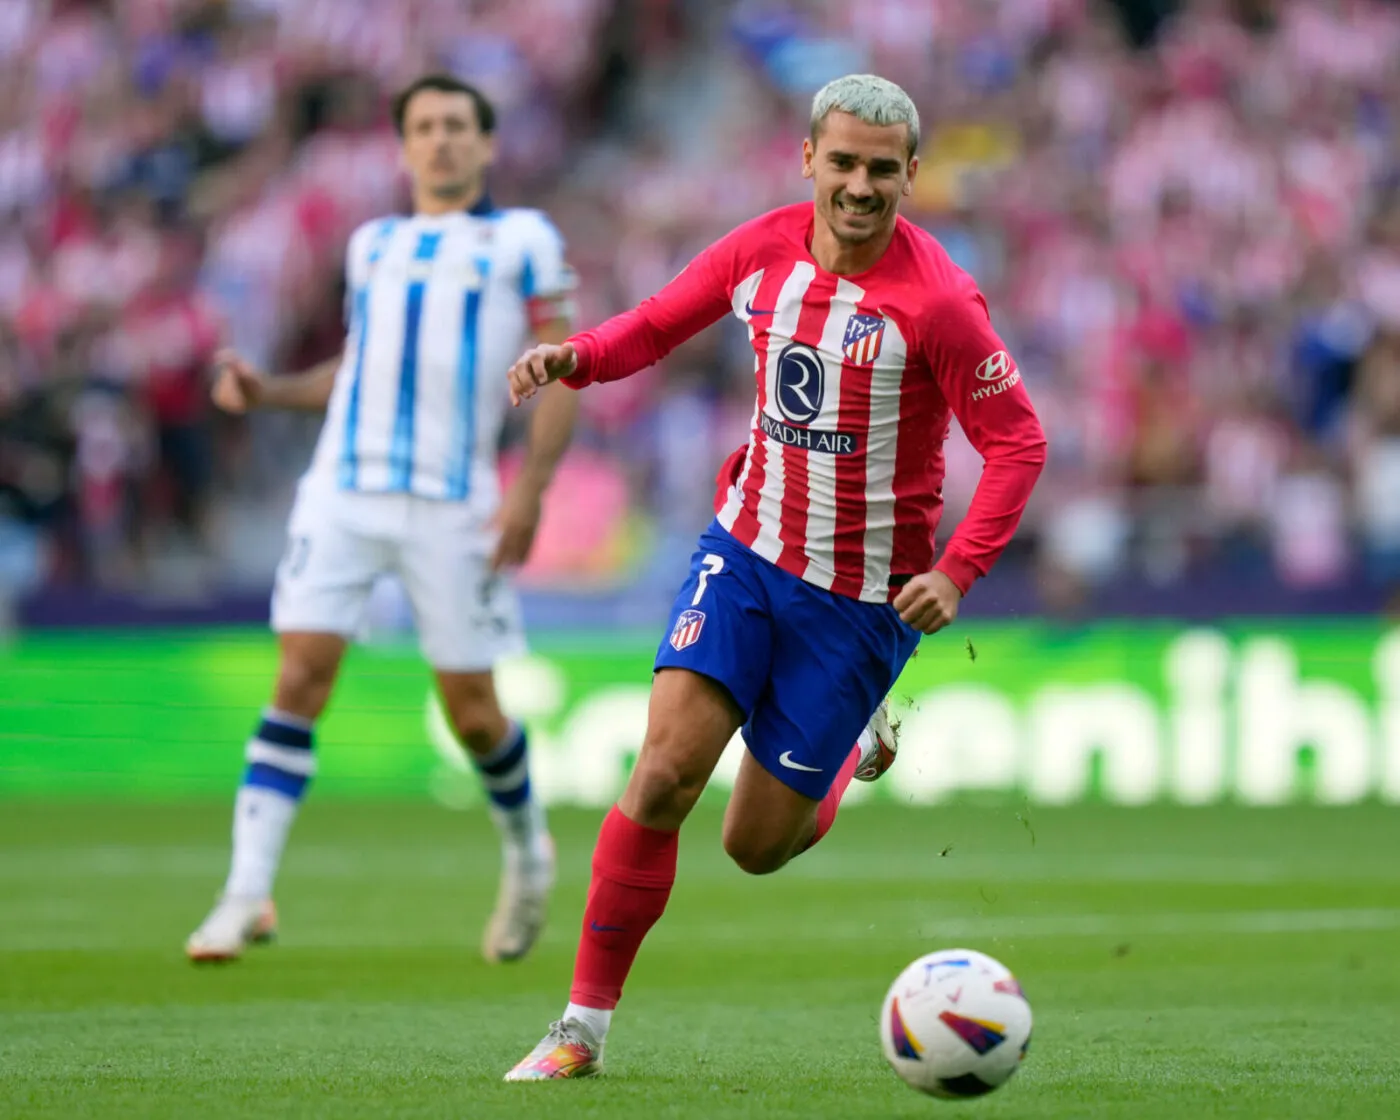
[(468, 619), (690, 721), (337, 544), (499, 749), (281, 762)]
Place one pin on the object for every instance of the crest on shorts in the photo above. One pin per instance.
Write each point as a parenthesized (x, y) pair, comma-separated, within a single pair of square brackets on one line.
[(864, 333), (686, 632)]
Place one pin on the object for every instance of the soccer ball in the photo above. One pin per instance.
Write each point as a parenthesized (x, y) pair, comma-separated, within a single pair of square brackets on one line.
[(955, 1024)]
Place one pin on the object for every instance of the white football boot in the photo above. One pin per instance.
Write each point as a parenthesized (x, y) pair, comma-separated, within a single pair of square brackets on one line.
[(233, 925), (522, 901), (881, 742), (568, 1050)]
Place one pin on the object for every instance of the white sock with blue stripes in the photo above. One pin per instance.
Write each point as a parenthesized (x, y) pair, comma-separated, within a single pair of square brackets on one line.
[(280, 764), (505, 775)]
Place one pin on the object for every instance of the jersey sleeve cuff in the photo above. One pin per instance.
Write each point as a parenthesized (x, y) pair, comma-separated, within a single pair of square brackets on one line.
[(583, 373), (961, 571)]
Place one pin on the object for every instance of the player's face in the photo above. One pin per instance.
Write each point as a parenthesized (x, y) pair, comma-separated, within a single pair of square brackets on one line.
[(443, 146), (861, 171)]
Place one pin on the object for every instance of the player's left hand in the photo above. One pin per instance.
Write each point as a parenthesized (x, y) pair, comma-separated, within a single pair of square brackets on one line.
[(517, 522), (928, 602)]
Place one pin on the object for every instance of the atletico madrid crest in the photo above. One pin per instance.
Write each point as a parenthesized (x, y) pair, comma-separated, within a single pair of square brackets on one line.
[(687, 629), (864, 333)]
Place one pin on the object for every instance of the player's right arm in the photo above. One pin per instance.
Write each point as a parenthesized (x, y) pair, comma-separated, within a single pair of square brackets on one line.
[(239, 388), (636, 339)]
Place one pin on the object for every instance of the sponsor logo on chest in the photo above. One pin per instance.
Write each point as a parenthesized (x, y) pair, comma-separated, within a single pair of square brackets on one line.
[(802, 382), (809, 439)]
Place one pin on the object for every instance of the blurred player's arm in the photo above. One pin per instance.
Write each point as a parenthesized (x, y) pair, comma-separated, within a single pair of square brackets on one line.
[(983, 387), (239, 388), (551, 429), (548, 286), (636, 339)]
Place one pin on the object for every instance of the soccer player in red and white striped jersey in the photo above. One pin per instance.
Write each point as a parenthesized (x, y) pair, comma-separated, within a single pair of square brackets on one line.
[(808, 593)]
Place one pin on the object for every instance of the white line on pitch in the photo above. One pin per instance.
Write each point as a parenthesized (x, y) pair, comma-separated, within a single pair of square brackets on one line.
[(942, 929)]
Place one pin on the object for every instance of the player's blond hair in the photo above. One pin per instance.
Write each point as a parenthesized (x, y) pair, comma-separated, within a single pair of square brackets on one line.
[(869, 98)]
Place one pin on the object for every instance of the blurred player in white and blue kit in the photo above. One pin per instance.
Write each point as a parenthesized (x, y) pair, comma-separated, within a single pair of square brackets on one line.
[(404, 482)]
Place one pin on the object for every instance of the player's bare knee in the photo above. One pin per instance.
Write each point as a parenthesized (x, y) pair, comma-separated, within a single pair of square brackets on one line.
[(662, 791)]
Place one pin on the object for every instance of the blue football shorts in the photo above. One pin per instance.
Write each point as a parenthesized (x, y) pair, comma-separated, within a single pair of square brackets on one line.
[(806, 667)]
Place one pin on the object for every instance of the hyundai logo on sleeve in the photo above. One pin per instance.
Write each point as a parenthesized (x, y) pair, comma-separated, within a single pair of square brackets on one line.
[(996, 367)]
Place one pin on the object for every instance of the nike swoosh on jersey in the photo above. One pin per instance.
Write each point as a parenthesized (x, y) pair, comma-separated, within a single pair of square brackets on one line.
[(785, 759), (751, 310)]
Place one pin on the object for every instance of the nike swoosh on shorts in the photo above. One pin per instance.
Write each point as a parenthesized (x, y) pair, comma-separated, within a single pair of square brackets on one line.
[(785, 759)]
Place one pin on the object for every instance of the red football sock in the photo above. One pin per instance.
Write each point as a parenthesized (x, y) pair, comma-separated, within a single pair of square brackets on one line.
[(633, 870), (826, 811)]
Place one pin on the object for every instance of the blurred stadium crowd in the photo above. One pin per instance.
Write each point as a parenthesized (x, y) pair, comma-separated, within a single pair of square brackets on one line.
[(1186, 218)]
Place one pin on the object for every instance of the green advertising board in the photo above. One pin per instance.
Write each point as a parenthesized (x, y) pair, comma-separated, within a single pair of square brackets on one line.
[(1259, 713)]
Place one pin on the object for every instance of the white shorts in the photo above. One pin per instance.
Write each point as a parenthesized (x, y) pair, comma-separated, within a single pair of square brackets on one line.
[(340, 542)]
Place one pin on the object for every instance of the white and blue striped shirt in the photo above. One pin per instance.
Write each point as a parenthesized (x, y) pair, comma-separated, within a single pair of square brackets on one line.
[(439, 306)]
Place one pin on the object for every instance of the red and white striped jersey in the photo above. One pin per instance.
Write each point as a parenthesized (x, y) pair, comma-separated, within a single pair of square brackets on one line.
[(841, 483)]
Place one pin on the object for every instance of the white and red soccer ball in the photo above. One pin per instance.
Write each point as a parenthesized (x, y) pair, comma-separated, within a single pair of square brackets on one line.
[(955, 1024)]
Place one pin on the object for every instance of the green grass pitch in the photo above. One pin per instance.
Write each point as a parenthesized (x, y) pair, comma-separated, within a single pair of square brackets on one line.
[(1181, 963)]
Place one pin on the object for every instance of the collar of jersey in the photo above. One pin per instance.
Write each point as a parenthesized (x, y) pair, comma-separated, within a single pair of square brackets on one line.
[(483, 207)]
